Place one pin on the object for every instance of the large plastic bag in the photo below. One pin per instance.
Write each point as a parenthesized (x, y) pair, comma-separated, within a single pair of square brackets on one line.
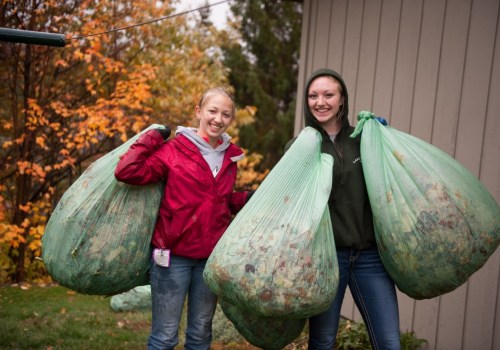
[(435, 223), (264, 332), (97, 240), (278, 257), (136, 299)]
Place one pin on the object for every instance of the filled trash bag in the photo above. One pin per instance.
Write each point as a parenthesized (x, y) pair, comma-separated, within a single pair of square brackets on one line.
[(97, 240), (278, 257), (136, 299), (435, 223), (264, 332)]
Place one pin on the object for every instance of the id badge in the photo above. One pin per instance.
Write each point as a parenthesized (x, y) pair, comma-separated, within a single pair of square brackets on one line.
[(161, 257)]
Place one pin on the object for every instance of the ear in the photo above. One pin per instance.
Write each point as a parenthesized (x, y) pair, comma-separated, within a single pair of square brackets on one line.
[(197, 111)]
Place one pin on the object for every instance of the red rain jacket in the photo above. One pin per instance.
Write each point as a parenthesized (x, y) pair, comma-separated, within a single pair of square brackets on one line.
[(196, 208)]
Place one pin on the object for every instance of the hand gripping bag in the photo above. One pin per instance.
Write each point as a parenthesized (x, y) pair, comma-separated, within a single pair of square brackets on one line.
[(267, 333), (97, 240), (278, 257), (435, 223)]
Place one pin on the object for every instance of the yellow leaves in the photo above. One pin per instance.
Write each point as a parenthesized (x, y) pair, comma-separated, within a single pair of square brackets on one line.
[(247, 176), (40, 141), (35, 234), (22, 166), (25, 224), (24, 208), (60, 109), (12, 235), (27, 168), (7, 144)]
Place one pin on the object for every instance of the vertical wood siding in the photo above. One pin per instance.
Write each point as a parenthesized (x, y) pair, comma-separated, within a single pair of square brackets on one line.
[(432, 68)]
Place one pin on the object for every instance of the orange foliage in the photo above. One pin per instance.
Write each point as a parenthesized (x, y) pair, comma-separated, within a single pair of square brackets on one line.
[(62, 108)]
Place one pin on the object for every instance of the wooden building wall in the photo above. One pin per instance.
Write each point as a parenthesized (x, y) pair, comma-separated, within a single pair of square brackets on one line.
[(432, 68)]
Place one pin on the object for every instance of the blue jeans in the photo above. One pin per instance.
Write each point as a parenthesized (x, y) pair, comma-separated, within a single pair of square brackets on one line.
[(375, 296), (169, 287)]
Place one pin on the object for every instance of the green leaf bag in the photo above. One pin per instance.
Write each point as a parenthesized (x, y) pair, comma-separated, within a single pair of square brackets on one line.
[(278, 257), (267, 333), (97, 240), (435, 223)]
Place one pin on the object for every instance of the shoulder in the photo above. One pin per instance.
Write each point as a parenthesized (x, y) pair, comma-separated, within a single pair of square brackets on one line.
[(290, 143), (235, 152)]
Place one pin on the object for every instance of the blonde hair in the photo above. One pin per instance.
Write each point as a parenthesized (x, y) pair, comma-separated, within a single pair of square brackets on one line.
[(214, 91)]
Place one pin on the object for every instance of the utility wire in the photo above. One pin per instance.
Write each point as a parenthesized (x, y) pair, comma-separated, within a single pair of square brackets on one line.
[(56, 39), (150, 21)]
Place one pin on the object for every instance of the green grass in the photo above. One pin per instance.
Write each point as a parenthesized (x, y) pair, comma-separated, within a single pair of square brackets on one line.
[(57, 318)]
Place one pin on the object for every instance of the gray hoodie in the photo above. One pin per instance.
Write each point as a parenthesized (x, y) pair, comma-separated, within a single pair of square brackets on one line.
[(213, 156)]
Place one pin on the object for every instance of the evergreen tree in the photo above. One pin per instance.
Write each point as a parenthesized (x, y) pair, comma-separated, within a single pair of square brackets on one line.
[(264, 69)]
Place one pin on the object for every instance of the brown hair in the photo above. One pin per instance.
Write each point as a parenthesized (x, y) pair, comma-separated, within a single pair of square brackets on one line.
[(217, 90)]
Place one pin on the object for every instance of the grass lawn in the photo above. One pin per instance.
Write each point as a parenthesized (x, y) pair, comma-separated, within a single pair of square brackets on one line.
[(56, 318)]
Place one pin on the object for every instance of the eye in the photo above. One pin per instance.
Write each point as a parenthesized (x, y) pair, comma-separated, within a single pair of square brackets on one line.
[(312, 96)]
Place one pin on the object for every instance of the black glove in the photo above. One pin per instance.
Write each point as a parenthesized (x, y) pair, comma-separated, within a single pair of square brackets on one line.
[(165, 133), (249, 195)]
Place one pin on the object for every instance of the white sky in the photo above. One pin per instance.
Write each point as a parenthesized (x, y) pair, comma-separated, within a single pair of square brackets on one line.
[(218, 12)]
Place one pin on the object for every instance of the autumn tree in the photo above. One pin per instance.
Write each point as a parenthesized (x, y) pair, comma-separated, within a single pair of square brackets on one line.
[(62, 108), (264, 64)]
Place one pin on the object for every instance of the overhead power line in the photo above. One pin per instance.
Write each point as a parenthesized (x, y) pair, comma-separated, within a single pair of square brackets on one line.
[(59, 40)]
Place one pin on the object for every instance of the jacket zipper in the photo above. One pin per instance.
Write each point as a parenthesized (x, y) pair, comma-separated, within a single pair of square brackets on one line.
[(338, 149)]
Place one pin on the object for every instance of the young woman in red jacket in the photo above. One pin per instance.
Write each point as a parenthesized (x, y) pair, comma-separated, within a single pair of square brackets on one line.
[(198, 167)]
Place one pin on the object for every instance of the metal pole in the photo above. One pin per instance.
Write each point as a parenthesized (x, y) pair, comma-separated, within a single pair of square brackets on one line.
[(31, 37)]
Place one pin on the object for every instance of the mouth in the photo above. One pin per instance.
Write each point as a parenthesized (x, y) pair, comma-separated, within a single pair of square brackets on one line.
[(216, 127), (322, 111)]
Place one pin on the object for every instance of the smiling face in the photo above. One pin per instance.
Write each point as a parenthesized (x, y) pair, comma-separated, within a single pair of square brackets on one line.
[(215, 114), (324, 99)]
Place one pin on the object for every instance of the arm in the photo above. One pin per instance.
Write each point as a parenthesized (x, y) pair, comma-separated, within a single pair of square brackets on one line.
[(238, 200), (139, 165)]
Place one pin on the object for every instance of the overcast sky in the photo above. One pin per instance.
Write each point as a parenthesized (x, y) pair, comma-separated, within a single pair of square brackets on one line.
[(218, 12)]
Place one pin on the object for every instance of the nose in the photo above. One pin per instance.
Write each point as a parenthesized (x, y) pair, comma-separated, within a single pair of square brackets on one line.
[(218, 117), (321, 100)]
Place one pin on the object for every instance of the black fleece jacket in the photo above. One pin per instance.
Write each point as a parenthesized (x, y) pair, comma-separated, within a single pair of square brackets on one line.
[(349, 206)]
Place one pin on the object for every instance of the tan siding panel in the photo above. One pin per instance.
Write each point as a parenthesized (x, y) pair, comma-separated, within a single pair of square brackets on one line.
[(437, 69), (490, 160), (451, 319), (349, 309), (367, 57), (386, 58), (425, 319), (480, 311), (451, 75), (406, 311), (352, 45), (338, 15), (482, 286), (305, 51), (427, 69), (322, 36), (480, 46), (406, 62)]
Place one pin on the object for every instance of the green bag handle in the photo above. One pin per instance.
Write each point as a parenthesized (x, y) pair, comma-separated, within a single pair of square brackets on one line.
[(363, 117)]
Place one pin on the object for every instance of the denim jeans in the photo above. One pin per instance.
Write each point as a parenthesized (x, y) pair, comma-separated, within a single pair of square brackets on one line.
[(169, 287), (375, 296)]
